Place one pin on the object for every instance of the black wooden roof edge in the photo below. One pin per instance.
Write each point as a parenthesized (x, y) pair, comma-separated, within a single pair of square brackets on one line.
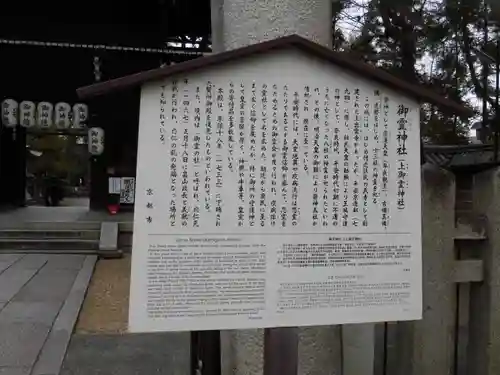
[(460, 156), (340, 59)]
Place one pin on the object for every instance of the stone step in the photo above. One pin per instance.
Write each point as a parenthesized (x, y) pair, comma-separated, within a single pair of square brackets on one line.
[(50, 251), (45, 234), (49, 244), (54, 225)]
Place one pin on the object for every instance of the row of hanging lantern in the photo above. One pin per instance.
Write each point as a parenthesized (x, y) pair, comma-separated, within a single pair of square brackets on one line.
[(44, 115)]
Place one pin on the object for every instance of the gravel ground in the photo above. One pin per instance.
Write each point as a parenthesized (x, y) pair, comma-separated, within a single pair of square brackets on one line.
[(105, 309)]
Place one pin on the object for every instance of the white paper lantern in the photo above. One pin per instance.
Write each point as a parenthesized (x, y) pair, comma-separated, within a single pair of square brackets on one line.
[(80, 115), (44, 115), (96, 141), (62, 115), (27, 113), (10, 113)]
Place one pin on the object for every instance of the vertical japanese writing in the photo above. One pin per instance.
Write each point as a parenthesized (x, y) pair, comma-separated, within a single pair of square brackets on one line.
[(316, 157), (163, 104), (326, 158), (305, 129), (253, 152), (230, 131), (295, 158), (376, 150), (385, 164), (149, 205), (263, 156), (284, 161), (274, 153), (366, 159), (336, 152), (173, 156), (402, 152), (185, 154), (184, 181), (219, 159), (208, 145), (356, 167), (196, 159), (241, 160), (346, 166)]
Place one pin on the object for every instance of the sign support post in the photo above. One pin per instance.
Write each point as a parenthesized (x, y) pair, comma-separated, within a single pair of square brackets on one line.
[(205, 353), (281, 351)]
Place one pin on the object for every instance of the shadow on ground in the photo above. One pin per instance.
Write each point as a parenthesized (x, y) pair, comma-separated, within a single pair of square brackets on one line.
[(131, 354)]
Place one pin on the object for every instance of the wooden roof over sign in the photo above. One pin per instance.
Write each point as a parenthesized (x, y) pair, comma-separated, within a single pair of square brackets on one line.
[(294, 41)]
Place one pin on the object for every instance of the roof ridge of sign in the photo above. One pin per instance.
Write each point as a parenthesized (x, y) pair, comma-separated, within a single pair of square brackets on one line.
[(337, 58)]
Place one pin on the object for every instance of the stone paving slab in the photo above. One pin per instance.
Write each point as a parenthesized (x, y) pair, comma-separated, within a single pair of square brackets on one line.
[(32, 312), (40, 297), (20, 343), (65, 262), (15, 370), (7, 260), (131, 354), (47, 286), (12, 280), (34, 261), (52, 354)]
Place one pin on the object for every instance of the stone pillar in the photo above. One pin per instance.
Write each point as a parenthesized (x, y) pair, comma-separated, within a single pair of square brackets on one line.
[(433, 341), (237, 23), (427, 346), (484, 331)]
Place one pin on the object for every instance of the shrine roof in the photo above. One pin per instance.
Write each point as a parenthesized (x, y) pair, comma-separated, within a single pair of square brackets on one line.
[(342, 60)]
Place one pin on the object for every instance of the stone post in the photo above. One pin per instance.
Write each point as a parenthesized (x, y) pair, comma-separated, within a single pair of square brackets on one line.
[(235, 24), (433, 337), (427, 346), (484, 335)]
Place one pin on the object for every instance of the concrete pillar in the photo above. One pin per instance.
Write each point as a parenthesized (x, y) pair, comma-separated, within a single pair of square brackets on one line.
[(484, 331), (237, 23)]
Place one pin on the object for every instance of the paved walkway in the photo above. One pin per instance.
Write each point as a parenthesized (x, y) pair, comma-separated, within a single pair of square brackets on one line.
[(40, 298), (131, 354)]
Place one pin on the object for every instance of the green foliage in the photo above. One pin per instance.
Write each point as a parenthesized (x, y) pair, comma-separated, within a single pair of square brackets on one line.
[(60, 156), (397, 35)]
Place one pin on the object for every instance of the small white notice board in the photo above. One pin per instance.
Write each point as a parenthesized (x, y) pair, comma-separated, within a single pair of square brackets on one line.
[(274, 199)]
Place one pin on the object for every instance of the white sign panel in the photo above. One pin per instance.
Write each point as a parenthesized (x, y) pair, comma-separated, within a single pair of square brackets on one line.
[(268, 199), (127, 191), (114, 185)]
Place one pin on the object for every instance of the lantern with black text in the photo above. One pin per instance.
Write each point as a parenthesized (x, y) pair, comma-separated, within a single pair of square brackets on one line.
[(44, 115), (62, 115), (96, 141), (80, 115), (27, 113), (10, 113)]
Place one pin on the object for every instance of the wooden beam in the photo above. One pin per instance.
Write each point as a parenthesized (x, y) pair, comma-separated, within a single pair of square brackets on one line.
[(465, 271)]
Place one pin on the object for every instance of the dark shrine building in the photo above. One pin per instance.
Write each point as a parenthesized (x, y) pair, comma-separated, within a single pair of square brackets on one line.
[(49, 49)]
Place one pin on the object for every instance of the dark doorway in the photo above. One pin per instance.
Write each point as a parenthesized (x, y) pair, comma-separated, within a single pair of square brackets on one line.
[(57, 164)]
